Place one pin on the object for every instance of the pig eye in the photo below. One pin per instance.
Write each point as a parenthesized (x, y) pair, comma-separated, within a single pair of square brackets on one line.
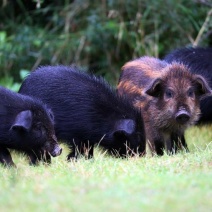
[(190, 93), (39, 127), (169, 94), (39, 130)]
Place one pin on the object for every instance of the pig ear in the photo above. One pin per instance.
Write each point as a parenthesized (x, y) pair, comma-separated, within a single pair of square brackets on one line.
[(155, 88), (124, 127), (23, 121), (202, 87)]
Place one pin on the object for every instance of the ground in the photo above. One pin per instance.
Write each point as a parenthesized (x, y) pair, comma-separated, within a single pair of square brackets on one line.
[(182, 182)]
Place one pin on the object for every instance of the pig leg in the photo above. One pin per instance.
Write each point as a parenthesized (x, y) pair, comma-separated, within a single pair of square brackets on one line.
[(136, 151), (169, 143), (183, 142), (126, 150), (5, 157), (156, 146), (141, 150), (33, 157), (155, 139), (84, 149), (155, 142), (178, 142), (87, 149), (169, 147), (43, 156), (72, 155), (175, 143), (159, 147), (122, 152), (39, 155), (46, 157), (74, 147), (90, 152)]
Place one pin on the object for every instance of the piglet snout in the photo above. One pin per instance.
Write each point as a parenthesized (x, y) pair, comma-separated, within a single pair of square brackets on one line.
[(182, 116), (56, 151)]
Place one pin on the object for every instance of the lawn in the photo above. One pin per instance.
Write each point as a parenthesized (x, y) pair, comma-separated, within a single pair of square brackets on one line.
[(169, 183)]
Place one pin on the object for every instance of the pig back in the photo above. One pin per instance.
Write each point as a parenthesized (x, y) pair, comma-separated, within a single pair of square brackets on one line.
[(136, 77)]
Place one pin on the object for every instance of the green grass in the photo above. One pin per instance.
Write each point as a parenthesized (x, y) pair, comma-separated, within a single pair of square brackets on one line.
[(170, 183)]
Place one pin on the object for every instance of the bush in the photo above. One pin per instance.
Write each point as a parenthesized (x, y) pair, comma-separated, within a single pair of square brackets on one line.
[(100, 36)]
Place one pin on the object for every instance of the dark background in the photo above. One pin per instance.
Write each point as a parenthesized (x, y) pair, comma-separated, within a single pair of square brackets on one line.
[(100, 36)]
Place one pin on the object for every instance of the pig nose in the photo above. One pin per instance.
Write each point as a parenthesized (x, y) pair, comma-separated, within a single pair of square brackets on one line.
[(182, 117), (56, 152)]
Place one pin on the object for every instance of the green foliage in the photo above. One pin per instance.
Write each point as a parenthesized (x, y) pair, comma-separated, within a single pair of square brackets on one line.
[(8, 81), (100, 36), (169, 183)]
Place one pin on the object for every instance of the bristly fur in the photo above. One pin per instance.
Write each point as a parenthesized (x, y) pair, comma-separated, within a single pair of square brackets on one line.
[(11, 105), (145, 81), (86, 109), (199, 61)]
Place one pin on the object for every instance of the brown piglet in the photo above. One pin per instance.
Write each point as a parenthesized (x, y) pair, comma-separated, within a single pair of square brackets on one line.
[(168, 96)]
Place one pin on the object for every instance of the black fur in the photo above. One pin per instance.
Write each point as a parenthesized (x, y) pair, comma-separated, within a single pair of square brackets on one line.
[(26, 125), (87, 111), (199, 60)]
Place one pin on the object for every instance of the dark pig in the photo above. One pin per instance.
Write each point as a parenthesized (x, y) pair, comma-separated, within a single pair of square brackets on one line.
[(199, 61), (168, 96), (87, 111), (26, 125)]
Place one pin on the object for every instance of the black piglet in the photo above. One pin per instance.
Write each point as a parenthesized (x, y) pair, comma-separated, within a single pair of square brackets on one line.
[(87, 111), (26, 125)]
